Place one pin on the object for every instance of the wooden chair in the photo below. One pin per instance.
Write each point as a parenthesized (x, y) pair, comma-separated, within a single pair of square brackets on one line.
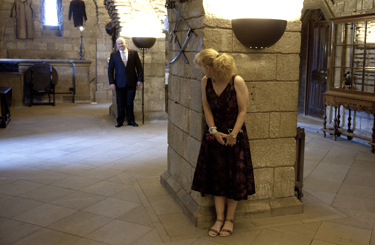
[(41, 79)]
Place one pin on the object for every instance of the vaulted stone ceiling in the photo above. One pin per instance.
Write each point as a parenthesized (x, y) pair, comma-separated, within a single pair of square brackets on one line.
[(126, 14)]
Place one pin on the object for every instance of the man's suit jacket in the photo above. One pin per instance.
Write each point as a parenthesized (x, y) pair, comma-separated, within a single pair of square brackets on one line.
[(120, 75)]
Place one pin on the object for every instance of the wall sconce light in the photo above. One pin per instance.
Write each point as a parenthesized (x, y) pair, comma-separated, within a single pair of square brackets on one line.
[(143, 43), (258, 33)]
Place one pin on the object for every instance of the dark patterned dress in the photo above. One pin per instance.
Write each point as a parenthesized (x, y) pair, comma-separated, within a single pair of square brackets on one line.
[(224, 170)]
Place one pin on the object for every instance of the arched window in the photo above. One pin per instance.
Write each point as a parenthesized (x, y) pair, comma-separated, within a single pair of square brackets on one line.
[(51, 16)]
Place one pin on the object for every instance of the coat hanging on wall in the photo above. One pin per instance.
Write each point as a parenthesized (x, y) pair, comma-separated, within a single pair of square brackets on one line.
[(78, 9), (23, 12)]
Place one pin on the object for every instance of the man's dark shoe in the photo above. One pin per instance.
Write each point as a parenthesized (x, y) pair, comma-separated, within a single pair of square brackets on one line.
[(118, 125), (134, 124)]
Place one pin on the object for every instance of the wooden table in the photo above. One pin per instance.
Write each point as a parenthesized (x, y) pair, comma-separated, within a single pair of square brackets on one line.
[(351, 102), (6, 100)]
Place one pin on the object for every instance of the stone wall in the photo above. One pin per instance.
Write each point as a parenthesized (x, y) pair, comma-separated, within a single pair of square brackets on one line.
[(272, 79), (50, 45)]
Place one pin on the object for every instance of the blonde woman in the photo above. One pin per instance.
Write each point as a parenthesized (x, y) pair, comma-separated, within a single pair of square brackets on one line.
[(224, 168)]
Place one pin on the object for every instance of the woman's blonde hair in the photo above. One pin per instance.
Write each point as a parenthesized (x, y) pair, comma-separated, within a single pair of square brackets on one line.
[(223, 64)]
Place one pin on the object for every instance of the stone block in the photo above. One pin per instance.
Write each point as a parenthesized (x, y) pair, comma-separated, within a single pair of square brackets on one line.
[(102, 79), (283, 124), (288, 67), (197, 124), (155, 106), (257, 125), (174, 163), (286, 206), (157, 58), (147, 58), (185, 177), (21, 45), (273, 152), (293, 26), (101, 96), (174, 89), (154, 70), (256, 209), (192, 151), (284, 182), (11, 46), (185, 92), (179, 115), (194, 23), (212, 22), (190, 9), (263, 178), (254, 67), (176, 138), (284, 96), (275, 124), (67, 47), (195, 102), (289, 43), (172, 185), (152, 94), (219, 39), (180, 68)]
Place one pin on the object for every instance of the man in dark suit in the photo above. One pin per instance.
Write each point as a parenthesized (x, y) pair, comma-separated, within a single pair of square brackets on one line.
[(125, 74)]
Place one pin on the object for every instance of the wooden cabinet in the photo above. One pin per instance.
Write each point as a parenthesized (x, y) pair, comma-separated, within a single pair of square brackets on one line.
[(351, 72)]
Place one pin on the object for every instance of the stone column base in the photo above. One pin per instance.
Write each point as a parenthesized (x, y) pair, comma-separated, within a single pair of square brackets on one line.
[(202, 216)]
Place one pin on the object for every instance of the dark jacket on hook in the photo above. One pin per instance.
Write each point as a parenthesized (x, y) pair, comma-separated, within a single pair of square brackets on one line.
[(78, 8)]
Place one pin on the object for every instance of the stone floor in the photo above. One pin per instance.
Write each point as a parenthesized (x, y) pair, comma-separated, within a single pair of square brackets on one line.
[(68, 176)]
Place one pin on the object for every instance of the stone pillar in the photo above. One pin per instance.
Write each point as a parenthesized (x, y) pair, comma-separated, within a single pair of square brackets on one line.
[(272, 79), (82, 79)]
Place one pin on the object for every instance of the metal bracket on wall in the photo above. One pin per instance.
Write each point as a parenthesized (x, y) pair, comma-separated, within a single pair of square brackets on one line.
[(171, 5)]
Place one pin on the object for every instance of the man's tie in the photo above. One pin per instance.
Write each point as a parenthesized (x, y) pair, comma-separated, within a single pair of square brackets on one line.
[(123, 57)]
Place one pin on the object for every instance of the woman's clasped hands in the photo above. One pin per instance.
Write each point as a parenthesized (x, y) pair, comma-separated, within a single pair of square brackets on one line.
[(224, 139)]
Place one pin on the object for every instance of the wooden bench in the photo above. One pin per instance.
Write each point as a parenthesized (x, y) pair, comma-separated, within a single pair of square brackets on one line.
[(5, 100)]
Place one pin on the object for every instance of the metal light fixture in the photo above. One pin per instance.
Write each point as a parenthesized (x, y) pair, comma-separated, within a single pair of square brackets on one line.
[(143, 43), (258, 33), (81, 52)]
